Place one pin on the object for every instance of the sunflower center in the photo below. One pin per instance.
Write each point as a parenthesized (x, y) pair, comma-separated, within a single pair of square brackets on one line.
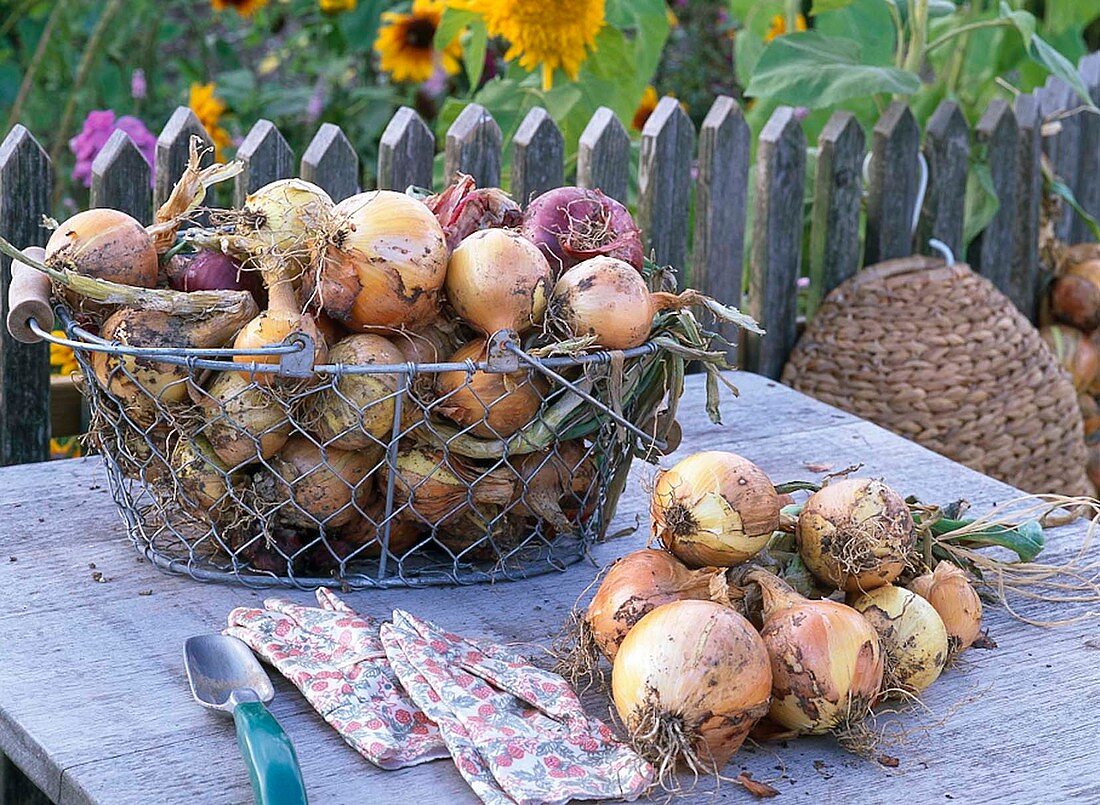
[(419, 33)]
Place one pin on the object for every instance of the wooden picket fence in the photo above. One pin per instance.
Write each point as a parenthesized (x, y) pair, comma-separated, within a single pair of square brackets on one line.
[(692, 203)]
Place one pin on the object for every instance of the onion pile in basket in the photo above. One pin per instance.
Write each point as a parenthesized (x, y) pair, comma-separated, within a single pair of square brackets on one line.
[(291, 471)]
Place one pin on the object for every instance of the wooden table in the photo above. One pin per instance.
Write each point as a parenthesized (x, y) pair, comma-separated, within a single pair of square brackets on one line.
[(94, 704)]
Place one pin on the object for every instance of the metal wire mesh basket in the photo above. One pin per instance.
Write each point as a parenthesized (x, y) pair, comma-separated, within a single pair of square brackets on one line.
[(281, 474)]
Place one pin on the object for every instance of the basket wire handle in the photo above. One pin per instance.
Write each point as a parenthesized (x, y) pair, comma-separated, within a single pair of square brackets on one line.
[(922, 186)]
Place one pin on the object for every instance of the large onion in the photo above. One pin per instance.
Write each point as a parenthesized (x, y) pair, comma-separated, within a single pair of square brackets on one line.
[(105, 244), (911, 634), (572, 224), (243, 422), (435, 489), (689, 682), (497, 280), (287, 216), (714, 508), (1077, 354), (318, 486), (855, 534), (950, 592)]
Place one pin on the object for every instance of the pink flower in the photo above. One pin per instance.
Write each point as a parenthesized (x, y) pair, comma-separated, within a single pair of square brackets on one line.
[(137, 84), (99, 125)]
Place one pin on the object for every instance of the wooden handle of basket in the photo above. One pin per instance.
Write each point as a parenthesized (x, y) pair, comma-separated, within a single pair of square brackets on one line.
[(29, 298)]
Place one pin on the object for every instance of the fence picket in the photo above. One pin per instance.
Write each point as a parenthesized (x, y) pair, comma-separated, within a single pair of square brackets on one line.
[(26, 182), (174, 149), (1029, 193), (405, 152), (331, 163), (473, 147), (993, 250), (664, 182), (603, 155), (1063, 149), (1089, 189), (121, 178), (538, 151), (266, 157), (893, 185), (838, 191), (947, 151), (776, 252)]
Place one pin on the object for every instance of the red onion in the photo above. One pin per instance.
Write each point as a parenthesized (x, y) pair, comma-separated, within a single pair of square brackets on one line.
[(572, 224), (211, 271)]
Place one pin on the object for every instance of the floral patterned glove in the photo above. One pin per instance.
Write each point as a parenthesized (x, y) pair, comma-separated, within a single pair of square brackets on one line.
[(517, 733), (336, 660)]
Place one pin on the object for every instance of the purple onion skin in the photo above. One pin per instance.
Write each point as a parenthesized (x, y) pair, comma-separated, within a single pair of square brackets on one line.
[(212, 271), (557, 220)]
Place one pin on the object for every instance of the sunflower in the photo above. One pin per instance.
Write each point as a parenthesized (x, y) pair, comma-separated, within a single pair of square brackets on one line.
[(645, 108), (336, 6), (62, 359), (405, 43), (778, 26), (550, 35), (209, 109), (246, 8)]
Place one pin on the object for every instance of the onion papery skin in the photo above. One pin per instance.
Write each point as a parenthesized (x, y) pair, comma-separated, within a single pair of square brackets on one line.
[(434, 490), (243, 422), (911, 635), (956, 601), (714, 508), (321, 486), (1077, 354), (825, 658), (497, 280), (356, 411), (489, 405), (557, 486), (287, 217), (699, 666), (463, 209), (202, 477), (605, 299), (572, 224), (855, 534), (367, 531), (385, 265), (638, 583), (105, 244)]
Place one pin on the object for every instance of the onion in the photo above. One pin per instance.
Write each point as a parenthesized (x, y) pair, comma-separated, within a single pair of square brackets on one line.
[(105, 244), (572, 224), (287, 217), (497, 280), (557, 485), (366, 531), (429, 344), (244, 422), (356, 411), (434, 489), (714, 508), (689, 682), (201, 475), (949, 591), (212, 271), (1090, 413), (1078, 355), (490, 405), (385, 265), (825, 658), (463, 209), (911, 635), (1075, 292), (325, 484), (855, 534)]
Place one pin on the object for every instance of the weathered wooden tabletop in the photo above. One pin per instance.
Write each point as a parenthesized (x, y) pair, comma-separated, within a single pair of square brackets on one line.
[(94, 704)]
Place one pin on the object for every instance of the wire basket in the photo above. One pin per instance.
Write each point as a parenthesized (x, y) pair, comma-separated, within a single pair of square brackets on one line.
[(277, 474)]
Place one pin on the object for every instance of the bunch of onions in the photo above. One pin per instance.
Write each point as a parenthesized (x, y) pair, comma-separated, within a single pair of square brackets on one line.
[(385, 263), (572, 224), (323, 485), (855, 534), (953, 597), (356, 411), (203, 478), (104, 244), (497, 280), (436, 488), (1077, 354), (490, 405), (689, 682), (287, 217), (714, 508), (1075, 292), (825, 659), (462, 209), (366, 532), (911, 635), (244, 422), (556, 485)]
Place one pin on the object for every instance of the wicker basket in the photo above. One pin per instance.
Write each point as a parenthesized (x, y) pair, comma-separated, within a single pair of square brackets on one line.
[(937, 354)]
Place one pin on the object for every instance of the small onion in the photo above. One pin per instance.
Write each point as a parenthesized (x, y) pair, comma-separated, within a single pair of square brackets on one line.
[(714, 508), (435, 489), (201, 475), (689, 682), (490, 405), (911, 634), (244, 422), (282, 319), (497, 280), (320, 486), (212, 271), (1075, 292), (1077, 354), (952, 595), (572, 224), (855, 534), (286, 215), (105, 244), (825, 658)]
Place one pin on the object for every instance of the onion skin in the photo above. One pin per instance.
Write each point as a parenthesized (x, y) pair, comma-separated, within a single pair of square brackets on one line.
[(557, 486), (366, 532), (436, 490), (497, 280), (490, 405), (911, 635), (1090, 413), (637, 584), (1075, 292), (572, 224), (698, 665), (105, 244), (949, 591), (322, 484), (212, 271), (286, 217), (855, 534), (714, 508), (243, 422), (1092, 465), (1077, 354), (463, 209)]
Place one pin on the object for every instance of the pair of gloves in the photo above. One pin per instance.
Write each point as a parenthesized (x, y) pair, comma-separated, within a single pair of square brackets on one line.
[(406, 692)]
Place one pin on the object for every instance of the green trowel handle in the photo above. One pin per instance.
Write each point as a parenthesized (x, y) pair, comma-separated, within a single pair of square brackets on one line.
[(269, 755)]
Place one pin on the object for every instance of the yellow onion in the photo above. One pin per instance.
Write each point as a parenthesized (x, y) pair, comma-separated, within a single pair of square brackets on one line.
[(714, 508), (949, 591), (282, 319), (689, 682), (491, 405), (498, 280), (366, 531), (557, 485), (825, 658), (429, 344), (1075, 292), (105, 244), (356, 411), (910, 633), (855, 534), (385, 265), (1076, 353), (319, 486), (286, 215), (243, 422), (203, 478), (434, 489)]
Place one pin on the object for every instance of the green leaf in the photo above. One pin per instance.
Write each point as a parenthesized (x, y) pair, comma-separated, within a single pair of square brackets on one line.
[(981, 201), (749, 48), (821, 6), (866, 22), (451, 24), (1022, 20), (1061, 15), (809, 69), (474, 52), (1058, 65), (1059, 188)]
